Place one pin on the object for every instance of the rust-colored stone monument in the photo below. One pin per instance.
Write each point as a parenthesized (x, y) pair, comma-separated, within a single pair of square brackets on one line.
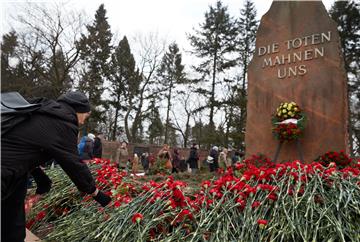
[(297, 58)]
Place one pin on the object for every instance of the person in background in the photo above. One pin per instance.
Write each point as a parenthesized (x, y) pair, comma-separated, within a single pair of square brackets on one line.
[(122, 154), (175, 161), (86, 147), (50, 132), (223, 159), (128, 166), (145, 162), (193, 158), (121, 136), (183, 165), (214, 153), (135, 164), (164, 154), (151, 159), (237, 157), (97, 151)]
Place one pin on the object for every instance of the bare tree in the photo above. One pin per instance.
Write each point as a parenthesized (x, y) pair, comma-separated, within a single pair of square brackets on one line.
[(184, 113), (47, 49), (148, 51)]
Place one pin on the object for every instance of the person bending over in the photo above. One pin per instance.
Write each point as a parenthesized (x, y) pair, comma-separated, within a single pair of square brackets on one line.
[(49, 132)]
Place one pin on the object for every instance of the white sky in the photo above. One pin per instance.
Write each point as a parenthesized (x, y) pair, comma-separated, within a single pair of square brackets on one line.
[(172, 19)]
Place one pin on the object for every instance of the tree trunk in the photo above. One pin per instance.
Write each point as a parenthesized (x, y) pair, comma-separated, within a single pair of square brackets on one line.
[(126, 123), (229, 124), (116, 117), (137, 121), (167, 115), (212, 98), (187, 130)]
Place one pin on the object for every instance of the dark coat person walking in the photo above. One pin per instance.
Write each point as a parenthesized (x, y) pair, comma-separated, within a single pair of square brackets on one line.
[(98, 146), (49, 132), (193, 158)]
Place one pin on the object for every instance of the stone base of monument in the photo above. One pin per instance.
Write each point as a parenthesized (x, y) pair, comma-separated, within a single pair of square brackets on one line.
[(298, 147)]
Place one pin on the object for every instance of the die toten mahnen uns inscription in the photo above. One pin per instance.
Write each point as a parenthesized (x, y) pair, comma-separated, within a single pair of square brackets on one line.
[(293, 45)]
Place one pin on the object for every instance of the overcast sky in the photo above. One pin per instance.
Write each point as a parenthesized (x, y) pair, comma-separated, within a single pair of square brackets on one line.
[(170, 18)]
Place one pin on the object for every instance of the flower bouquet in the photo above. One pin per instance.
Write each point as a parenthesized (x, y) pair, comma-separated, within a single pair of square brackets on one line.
[(289, 122), (341, 159)]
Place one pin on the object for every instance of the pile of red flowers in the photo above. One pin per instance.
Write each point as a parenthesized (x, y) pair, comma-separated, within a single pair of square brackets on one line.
[(241, 203), (341, 159)]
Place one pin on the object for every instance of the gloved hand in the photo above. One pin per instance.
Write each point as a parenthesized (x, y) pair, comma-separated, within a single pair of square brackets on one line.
[(102, 198)]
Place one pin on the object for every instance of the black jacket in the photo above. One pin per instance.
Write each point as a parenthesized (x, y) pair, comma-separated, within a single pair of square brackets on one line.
[(193, 158), (50, 133), (97, 148)]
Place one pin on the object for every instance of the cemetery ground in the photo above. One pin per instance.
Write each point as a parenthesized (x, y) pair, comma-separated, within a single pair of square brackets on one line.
[(256, 200)]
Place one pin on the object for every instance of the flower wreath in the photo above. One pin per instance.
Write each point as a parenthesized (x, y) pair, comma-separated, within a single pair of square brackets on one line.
[(289, 122)]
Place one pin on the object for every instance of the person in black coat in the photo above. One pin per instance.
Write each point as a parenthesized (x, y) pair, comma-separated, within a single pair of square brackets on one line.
[(193, 158), (50, 132), (97, 153)]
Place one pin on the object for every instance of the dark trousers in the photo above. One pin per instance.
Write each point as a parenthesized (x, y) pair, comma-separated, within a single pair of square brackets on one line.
[(13, 214), (213, 166)]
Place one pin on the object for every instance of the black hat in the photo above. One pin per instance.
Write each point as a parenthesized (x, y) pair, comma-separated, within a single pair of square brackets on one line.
[(77, 100)]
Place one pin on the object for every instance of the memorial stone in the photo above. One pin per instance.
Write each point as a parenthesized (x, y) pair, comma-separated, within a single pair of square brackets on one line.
[(297, 58)]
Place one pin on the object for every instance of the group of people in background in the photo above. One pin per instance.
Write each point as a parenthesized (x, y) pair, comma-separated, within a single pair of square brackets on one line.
[(175, 161), (90, 146), (223, 158)]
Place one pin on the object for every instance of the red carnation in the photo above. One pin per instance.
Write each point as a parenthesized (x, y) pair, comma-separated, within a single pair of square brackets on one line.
[(178, 195), (206, 184), (117, 203), (137, 218), (262, 223), (273, 196), (41, 215), (239, 166), (255, 204), (184, 214), (30, 223)]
